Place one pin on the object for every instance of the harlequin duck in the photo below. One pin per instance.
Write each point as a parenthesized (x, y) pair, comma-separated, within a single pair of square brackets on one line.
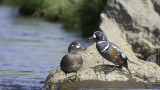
[(110, 51), (72, 61)]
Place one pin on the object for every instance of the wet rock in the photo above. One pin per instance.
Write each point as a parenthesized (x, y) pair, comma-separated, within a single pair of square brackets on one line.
[(102, 85)]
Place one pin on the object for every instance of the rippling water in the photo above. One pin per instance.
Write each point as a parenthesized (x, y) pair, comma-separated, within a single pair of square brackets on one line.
[(29, 49)]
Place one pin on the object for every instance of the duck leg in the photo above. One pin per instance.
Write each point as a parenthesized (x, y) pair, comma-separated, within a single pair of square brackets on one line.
[(65, 77), (115, 66)]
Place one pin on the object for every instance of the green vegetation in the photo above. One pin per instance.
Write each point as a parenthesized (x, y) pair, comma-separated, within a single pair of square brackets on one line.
[(5, 2), (49, 9), (144, 53), (85, 17), (77, 15)]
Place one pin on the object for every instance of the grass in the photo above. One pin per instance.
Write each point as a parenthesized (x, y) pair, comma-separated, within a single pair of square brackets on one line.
[(49, 9), (30, 7), (5, 2), (77, 15)]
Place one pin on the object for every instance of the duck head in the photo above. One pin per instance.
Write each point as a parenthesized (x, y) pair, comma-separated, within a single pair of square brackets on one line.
[(74, 46), (98, 36)]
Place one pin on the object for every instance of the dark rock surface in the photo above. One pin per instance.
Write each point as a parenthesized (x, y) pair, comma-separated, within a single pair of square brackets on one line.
[(94, 84), (155, 58), (152, 58), (156, 4)]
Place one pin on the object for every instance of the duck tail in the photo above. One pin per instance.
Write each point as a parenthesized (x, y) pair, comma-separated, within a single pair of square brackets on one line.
[(126, 65), (131, 61)]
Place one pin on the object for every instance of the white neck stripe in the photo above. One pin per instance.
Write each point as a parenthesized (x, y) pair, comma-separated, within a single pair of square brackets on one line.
[(101, 42), (106, 47)]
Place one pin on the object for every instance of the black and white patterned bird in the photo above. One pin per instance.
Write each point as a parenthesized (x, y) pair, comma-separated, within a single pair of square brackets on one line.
[(110, 51), (72, 61)]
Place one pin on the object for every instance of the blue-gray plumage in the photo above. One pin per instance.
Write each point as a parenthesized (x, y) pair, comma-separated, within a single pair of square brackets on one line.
[(72, 61), (110, 51)]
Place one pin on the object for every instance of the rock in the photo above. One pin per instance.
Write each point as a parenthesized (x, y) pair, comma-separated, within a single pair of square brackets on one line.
[(152, 58), (103, 85), (156, 4), (123, 25), (95, 68), (136, 21)]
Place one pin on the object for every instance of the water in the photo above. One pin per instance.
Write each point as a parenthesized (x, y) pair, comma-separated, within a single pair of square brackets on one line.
[(29, 49)]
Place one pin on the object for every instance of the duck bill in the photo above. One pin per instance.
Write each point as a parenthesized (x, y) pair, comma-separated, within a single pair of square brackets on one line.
[(81, 48), (91, 38)]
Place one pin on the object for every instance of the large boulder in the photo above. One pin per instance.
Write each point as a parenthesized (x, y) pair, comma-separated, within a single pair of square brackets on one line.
[(124, 23), (137, 21), (95, 69)]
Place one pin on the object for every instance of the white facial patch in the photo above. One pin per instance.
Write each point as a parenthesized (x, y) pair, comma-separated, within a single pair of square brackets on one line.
[(94, 35), (105, 48), (72, 45), (78, 46), (100, 34)]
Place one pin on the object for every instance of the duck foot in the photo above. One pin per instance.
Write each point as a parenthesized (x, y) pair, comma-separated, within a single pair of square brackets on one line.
[(73, 78)]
